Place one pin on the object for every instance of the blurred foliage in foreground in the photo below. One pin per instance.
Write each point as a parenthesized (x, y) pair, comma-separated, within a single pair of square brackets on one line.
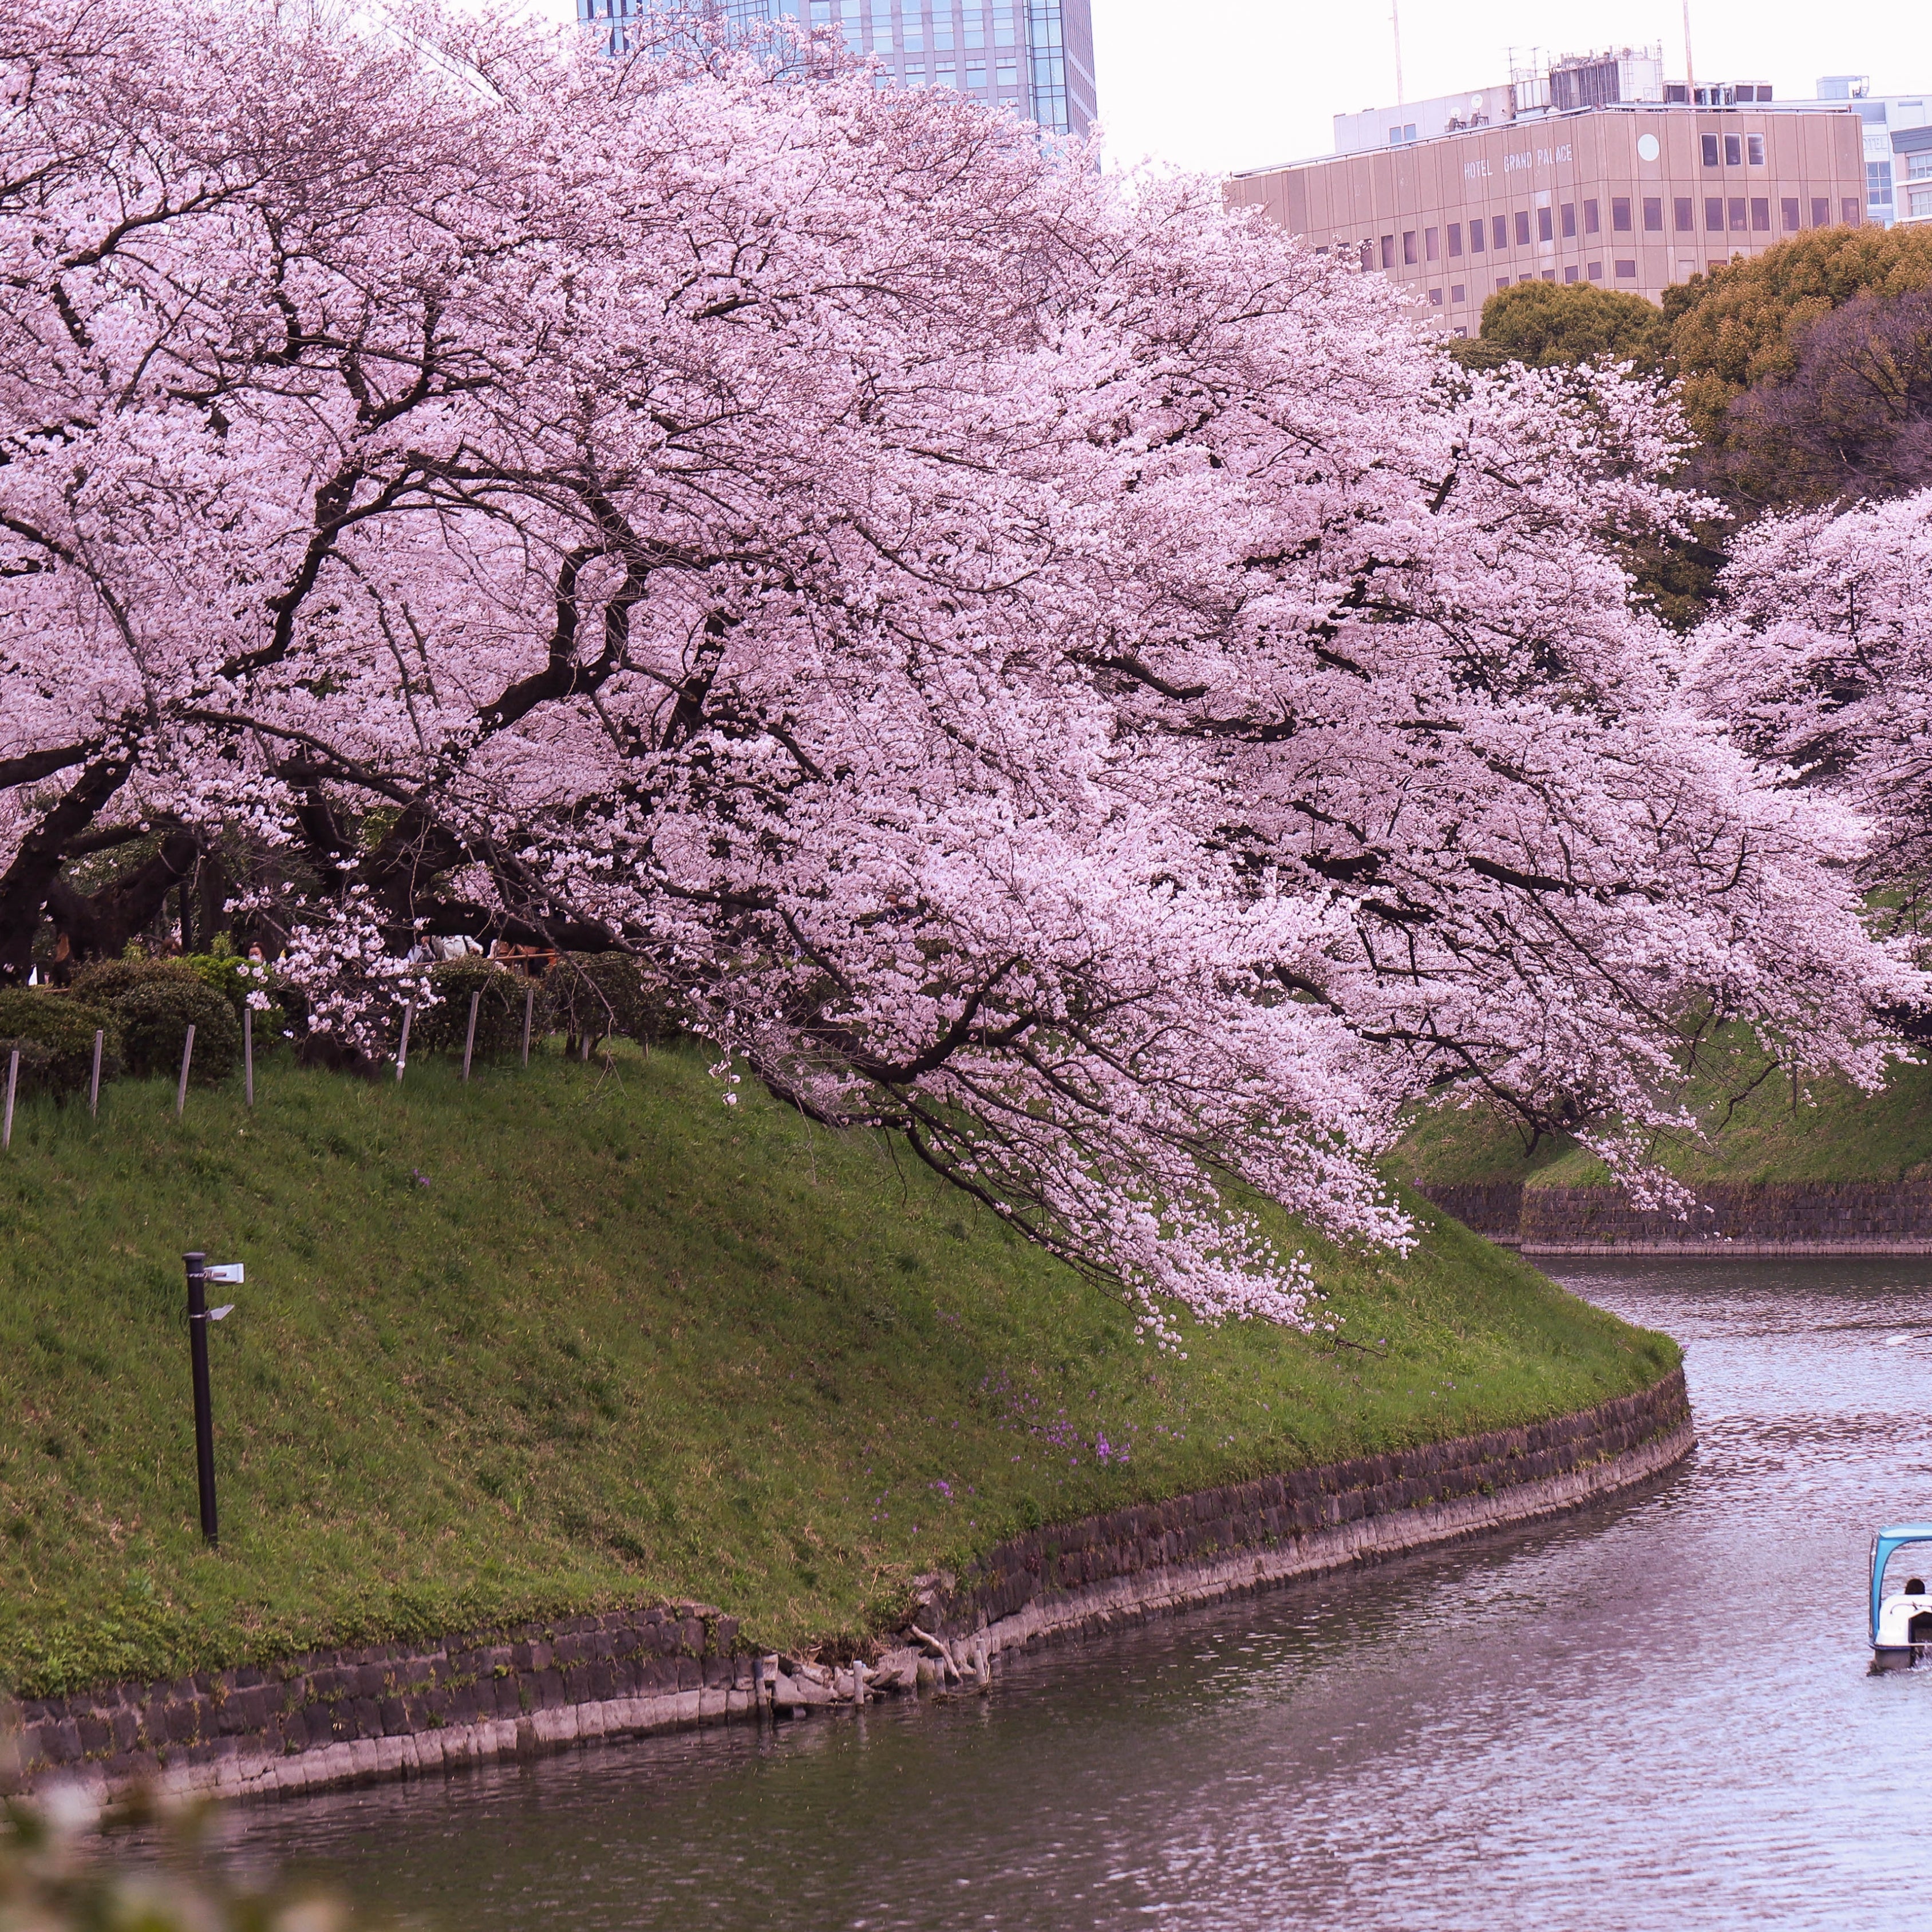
[(56, 1876)]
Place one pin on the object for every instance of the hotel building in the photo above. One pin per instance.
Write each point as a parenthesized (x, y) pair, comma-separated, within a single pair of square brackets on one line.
[(1561, 179)]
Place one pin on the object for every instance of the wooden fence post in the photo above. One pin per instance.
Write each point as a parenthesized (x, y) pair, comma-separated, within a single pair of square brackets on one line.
[(402, 1046), (469, 1038), (530, 1008), (13, 1079), (248, 1053), (181, 1092), (94, 1086)]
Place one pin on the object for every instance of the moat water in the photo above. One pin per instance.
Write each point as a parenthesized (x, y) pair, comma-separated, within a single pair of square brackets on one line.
[(1654, 1715)]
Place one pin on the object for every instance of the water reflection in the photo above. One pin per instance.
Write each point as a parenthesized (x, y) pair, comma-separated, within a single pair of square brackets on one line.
[(1655, 1715)]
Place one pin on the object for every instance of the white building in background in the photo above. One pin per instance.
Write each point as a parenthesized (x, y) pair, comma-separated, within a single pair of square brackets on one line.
[(1886, 116)]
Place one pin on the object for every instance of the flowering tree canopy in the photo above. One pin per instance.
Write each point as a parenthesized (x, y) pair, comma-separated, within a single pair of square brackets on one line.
[(1054, 669), (1820, 661)]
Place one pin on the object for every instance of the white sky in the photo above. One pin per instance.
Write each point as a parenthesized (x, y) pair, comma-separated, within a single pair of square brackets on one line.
[(1219, 85)]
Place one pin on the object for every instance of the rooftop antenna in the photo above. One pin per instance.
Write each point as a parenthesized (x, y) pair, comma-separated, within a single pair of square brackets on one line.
[(1395, 24), (1690, 76)]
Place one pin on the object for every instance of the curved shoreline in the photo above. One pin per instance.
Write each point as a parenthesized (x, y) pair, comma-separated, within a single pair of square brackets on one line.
[(392, 1710)]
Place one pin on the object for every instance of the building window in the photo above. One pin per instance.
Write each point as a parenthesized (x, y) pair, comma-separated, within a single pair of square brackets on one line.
[(1821, 211), (1570, 273), (1455, 241), (1549, 275), (1739, 213), (1522, 228), (1620, 214), (1653, 213), (1521, 279), (1368, 255), (1685, 211), (1545, 224), (1596, 272), (945, 77), (1714, 213), (1734, 152), (1710, 151), (1499, 231), (1754, 149), (1409, 255), (1921, 200), (1626, 272), (1502, 282), (1436, 298), (1761, 212), (1878, 184), (1918, 167), (1007, 76), (1458, 292), (1850, 211), (1788, 208), (1476, 235), (1388, 251), (1569, 220), (1590, 223), (1432, 238), (975, 77)]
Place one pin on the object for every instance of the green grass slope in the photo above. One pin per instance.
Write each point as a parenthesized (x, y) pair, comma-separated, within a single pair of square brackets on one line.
[(1755, 1128), (569, 1337)]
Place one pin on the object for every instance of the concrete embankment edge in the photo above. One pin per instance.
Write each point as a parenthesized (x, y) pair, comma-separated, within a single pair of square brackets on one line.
[(353, 1716)]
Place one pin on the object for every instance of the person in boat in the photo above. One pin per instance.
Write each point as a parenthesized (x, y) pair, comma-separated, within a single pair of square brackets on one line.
[(1919, 1629)]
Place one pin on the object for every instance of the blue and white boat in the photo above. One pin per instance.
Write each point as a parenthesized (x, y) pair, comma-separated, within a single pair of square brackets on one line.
[(1901, 1621)]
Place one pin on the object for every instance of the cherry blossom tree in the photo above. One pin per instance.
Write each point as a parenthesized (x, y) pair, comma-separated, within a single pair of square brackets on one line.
[(1048, 666), (1820, 662)]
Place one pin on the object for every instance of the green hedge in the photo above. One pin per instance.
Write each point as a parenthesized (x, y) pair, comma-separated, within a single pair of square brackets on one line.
[(600, 993), (155, 1018), (104, 982), (54, 1034), (499, 1012)]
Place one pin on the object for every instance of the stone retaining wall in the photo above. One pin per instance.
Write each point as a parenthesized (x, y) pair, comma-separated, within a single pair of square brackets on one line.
[(386, 1711), (1492, 1208), (1735, 1218), (1767, 1217)]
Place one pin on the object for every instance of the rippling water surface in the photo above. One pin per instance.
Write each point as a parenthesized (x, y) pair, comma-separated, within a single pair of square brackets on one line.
[(1654, 1715)]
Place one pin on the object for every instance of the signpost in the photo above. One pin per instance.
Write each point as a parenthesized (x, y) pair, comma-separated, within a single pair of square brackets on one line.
[(199, 1315)]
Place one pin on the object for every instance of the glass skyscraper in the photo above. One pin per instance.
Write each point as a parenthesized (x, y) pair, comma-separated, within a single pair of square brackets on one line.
[(1034, 56)]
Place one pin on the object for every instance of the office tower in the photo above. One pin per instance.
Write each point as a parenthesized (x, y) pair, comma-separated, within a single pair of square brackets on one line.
[(1035, 57)]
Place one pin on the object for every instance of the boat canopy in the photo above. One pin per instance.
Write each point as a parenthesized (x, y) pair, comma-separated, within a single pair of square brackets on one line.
[(1883, 1544)]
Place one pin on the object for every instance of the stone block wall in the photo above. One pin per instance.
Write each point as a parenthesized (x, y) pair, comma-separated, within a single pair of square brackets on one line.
[(1493, 1208), (327, 1700), (1768, 1217), (1201, 1531)]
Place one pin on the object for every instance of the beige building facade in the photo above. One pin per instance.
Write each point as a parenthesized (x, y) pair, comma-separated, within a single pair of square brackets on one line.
[(1632, 196)]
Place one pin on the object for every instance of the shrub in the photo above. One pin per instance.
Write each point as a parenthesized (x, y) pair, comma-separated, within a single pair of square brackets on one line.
[(54, 1032), (104, 982), (155, 1017), (234, 979), (499, 1013), (599, 993)]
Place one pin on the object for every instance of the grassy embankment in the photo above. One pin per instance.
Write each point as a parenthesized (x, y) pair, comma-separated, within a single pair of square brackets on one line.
[(563, 1339), (1831, 1132)]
